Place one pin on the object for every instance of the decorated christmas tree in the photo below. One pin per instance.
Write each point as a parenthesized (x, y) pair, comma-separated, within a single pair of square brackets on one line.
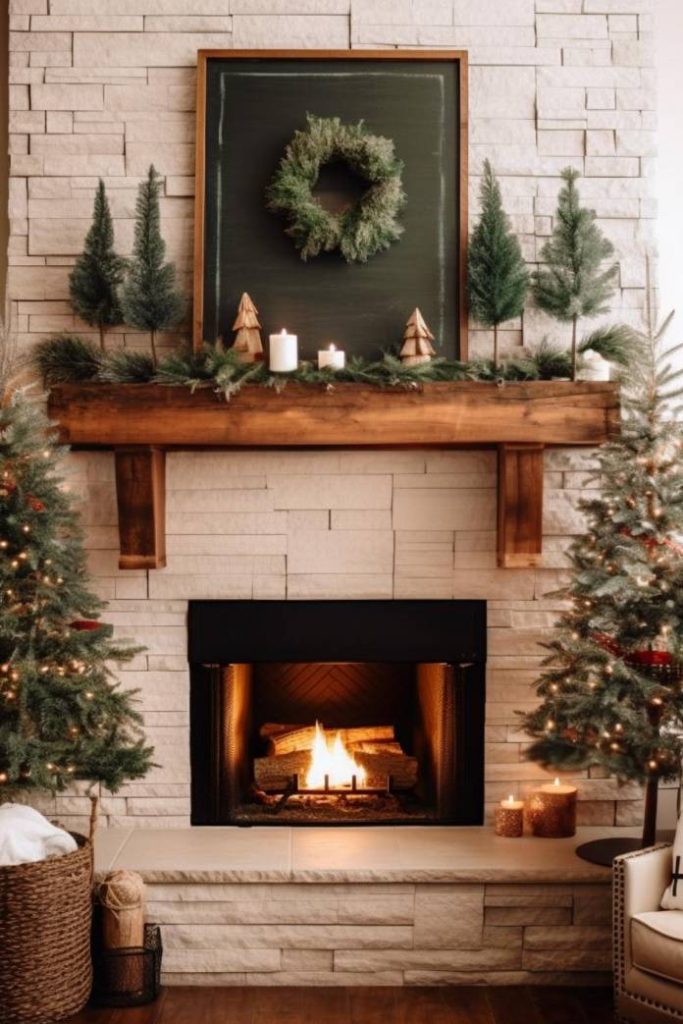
[(150, 300), (573, 283), (498, 279), (417, 341), (97, 275), (611, 690), (62, 715), (248, 337)]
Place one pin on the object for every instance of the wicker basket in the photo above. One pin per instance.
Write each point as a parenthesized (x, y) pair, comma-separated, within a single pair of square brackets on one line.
[(45, 915)]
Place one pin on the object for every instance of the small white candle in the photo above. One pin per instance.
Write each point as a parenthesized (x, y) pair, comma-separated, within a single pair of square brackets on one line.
[(284, 353), (331, 357), (512, 804)]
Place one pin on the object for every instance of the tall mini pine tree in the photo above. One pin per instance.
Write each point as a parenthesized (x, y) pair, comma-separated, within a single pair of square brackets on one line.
[(151, 302), (498, 276), (573, 284), (611, 690), (97, 275), (62, 716)]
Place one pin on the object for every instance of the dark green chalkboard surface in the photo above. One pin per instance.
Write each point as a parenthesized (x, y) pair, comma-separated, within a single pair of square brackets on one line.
[(249, 108)]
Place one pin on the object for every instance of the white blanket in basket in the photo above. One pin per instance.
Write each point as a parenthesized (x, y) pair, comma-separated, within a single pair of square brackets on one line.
[(25, 835)]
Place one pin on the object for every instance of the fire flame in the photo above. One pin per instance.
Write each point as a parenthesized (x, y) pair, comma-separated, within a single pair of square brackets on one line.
[(333, 760)]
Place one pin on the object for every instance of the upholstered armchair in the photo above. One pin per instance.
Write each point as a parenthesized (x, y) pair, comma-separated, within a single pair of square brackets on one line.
[(648, 942)]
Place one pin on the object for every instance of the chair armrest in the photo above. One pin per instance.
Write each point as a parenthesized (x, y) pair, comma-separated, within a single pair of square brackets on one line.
[(640, 879)]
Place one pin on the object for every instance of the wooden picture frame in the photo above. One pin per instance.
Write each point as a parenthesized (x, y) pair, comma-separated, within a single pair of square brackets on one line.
[(458, 252)]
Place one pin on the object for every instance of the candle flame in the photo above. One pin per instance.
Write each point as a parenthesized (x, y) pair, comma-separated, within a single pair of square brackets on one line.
[(511, 799), (333, 760), (556, 782), (332, 348), (283, 332)]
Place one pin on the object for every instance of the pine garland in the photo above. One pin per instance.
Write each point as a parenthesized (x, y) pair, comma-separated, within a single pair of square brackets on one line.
[(67, 359), (365, 229)]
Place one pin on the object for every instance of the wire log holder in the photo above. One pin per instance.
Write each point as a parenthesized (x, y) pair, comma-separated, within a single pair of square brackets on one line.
[(294, 788)]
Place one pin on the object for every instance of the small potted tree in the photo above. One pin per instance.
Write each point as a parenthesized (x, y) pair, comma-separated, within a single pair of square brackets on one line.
[(63, 718)]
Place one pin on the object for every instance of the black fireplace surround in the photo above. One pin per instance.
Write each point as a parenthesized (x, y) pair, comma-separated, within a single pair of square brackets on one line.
[(416, 665)]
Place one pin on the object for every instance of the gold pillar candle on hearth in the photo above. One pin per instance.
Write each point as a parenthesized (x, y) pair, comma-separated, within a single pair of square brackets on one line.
[(510, 818), (551, 810)]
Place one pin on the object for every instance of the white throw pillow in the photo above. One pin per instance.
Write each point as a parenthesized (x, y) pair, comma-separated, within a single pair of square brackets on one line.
[(673, 896)]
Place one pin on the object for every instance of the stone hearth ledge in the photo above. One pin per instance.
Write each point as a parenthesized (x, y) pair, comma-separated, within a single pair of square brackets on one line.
[(347, 855)]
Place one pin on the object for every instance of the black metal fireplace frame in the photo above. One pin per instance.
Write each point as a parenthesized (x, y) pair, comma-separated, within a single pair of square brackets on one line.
[(225, 632)]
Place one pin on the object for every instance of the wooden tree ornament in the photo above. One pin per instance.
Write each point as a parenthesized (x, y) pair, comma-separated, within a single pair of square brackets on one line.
[(247, 341), (417, 341)]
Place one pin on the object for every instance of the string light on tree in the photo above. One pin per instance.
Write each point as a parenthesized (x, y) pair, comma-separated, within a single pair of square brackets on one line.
[(619, 643)]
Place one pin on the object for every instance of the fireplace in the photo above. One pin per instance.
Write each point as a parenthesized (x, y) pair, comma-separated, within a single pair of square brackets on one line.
[(337, 712)]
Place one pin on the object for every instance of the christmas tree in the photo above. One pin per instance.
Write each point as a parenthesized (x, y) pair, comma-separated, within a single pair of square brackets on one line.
[(611, 693), (498, 276), (417, 341), (62, 717), (248, 338), (573, 283), (151, 302), (98, 272)]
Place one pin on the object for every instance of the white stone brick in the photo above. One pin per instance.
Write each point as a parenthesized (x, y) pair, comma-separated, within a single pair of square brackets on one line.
[(17, 202), (85, 23), (561, 103), (30, 121), (59, 121), (148, 98), (42, 41), (133, 7), (503, 92), (601, 99), (490, 12), (78, 145), (571, 26), (144, 49), (67, 97), (600, 143), (619, 23), (491, 36), (167, 157), (28, 6), (559, 6), (327, 586), (265, 31), (18, 97), (612, 166), (569, 143), (342, 492), (535, 56), (179, 186), (344, 551), (361, 520), (188, 23), (636, 143), (617, 6)]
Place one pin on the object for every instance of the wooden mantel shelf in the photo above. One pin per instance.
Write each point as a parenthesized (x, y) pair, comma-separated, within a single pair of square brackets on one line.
[(140, 422)]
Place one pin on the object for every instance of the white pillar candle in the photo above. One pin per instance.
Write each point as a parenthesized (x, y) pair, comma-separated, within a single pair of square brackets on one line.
[(331, 357), (284, 355)]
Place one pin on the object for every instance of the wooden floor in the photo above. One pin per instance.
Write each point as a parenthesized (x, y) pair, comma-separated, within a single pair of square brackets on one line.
[(366, 1006)]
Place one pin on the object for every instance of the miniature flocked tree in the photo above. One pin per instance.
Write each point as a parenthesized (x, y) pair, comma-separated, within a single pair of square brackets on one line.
[(498, 279), (247, 341), (574, 283), (62, 715), (417, 341), (611, 690), (96, 278), (150, 300)]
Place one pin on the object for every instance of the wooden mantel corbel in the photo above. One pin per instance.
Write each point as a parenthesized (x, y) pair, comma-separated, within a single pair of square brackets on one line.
[(140, 422)]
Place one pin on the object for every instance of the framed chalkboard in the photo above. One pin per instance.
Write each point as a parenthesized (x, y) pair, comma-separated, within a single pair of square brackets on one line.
[(250, 103)]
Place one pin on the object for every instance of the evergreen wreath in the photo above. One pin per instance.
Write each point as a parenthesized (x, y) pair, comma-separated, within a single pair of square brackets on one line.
[(371, 224)]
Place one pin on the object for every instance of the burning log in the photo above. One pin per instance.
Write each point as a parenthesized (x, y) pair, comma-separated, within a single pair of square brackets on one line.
[(274, 772), (286, 739)]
